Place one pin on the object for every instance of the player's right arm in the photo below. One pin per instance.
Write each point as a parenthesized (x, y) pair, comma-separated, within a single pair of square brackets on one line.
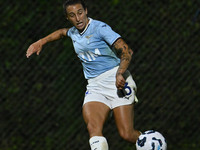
[(37, 46)]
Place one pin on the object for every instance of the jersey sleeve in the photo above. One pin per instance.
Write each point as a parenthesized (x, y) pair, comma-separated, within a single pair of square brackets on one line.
[(69, 32), (107, 34)]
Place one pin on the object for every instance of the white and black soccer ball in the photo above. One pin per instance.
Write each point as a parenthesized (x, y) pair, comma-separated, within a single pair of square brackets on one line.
[(151, 140)]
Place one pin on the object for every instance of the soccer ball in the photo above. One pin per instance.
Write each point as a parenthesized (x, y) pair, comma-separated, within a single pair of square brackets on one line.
[(151, 140)]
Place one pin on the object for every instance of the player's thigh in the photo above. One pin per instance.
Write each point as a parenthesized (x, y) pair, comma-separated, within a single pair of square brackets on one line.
[(95, 112), (124, 116)]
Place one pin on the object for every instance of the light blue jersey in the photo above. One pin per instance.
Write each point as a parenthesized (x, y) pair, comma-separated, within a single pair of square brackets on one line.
[(93, 47)]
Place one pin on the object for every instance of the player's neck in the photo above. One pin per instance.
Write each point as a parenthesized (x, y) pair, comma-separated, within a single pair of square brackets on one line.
[(82, 31)]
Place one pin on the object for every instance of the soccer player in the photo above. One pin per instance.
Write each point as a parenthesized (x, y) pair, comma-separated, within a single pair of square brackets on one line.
[(110, 85)]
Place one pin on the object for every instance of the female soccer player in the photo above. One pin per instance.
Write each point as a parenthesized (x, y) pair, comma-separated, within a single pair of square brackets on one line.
[(110, 85)]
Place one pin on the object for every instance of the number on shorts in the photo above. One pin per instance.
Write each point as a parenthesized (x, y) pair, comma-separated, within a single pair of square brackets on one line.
[(127, 89)]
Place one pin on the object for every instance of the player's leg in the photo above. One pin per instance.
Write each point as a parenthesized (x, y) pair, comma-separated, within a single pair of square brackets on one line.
[(124, 118), (95, 115)]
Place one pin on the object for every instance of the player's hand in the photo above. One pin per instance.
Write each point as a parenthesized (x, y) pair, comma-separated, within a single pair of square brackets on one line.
[(34, 48), (120, 81)]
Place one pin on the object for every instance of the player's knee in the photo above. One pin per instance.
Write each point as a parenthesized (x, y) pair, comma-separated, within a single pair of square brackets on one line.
[(130, 136), (93, 127), (125, 135)]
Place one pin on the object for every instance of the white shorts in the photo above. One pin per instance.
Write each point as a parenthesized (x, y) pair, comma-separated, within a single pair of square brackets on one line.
[(103, 89)]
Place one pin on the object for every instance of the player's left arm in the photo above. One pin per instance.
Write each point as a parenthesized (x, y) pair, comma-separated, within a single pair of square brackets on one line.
[(124, 52)]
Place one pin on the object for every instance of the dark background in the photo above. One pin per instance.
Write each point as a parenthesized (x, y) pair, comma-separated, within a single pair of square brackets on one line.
[(41, 97)]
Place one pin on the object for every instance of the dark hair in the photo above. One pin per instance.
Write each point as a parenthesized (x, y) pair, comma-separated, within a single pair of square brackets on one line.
[(72, 2)]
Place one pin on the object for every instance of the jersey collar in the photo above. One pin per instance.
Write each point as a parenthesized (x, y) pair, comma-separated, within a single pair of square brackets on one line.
[(90, 20)]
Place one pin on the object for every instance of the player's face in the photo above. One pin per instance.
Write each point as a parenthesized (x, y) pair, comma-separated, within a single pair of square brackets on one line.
[(77, 15)]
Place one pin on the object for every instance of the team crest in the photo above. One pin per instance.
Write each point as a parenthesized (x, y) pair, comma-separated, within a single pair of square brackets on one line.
[(89, 36)]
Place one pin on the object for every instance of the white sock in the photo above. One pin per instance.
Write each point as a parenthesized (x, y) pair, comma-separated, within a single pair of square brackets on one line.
[(98, 143)]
